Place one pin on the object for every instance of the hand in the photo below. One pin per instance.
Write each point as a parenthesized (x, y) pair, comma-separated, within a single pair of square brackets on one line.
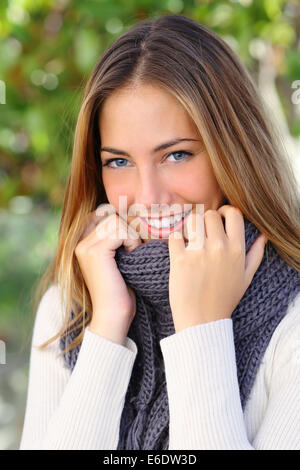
[(210, 275), (113, 302)]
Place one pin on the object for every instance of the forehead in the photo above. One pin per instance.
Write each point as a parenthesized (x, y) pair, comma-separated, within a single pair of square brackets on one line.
[(147, 111)]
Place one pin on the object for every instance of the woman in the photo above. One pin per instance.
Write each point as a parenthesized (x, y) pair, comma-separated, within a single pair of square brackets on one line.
[(176, 338)]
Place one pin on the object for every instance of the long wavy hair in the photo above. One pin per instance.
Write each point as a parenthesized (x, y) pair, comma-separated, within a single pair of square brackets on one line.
[(252, 169)]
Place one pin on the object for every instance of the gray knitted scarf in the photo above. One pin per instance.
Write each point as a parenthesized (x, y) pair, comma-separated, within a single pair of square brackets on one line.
[(145, 417)]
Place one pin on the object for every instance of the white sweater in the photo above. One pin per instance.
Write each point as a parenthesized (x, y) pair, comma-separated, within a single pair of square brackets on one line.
[(82, 410)]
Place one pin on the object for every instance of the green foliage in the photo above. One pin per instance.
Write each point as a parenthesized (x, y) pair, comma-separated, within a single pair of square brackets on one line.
[(27, 245)]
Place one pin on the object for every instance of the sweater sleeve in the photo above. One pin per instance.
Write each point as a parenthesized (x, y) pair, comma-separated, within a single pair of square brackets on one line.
[(204, 405), (74, 411)]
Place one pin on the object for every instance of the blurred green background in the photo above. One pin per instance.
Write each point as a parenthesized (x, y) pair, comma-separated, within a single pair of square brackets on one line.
[(47, 50)]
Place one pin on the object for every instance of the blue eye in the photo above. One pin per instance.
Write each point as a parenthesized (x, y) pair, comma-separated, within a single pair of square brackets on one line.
[(114, 160), (180, 152), (110, 160)]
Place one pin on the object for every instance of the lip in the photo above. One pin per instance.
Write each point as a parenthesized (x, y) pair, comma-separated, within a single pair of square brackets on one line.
[(164, 231)]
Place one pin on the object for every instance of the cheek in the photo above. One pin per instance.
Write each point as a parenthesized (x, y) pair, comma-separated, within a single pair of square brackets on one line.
[(114, 187), (197, 184)]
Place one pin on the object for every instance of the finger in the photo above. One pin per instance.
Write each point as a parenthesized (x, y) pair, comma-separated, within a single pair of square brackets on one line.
[(195, 230), (118, 232), (213, 225), (133, 238), (254, 258), (103, 229), (134, 223), (115, 231), (105, 210), (91, 219), (175, 244), (234, 223)]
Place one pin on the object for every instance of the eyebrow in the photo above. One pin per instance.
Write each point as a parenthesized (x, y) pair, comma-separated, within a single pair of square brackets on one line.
[(156, 149)]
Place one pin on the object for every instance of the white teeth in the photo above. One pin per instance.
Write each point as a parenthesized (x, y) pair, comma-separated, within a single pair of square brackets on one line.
[(165, 222)]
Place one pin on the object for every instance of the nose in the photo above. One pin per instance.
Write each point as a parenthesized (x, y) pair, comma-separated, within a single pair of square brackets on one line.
[(150, 189)]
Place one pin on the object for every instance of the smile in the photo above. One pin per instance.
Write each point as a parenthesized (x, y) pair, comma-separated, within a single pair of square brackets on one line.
[(166, 225)]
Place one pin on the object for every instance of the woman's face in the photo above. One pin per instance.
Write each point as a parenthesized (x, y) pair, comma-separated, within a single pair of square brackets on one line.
[(132, 123)]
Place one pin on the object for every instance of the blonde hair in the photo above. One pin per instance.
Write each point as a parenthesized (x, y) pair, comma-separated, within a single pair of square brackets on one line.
[(195, 65)]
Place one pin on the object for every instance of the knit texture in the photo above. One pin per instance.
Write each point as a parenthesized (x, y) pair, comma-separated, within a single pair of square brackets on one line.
[(145, 417)]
